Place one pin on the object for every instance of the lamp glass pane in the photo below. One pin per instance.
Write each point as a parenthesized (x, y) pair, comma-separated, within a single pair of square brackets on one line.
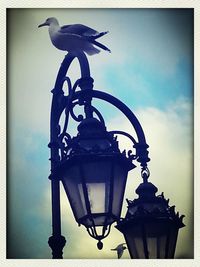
[(72, 185), (97, 178), (96, 195), (139, 244), (94, 191), (156, 247), (161, 245), (152, 247), (133, 236), (119, 183), (156, 234), (172, 241), (87, 185), (157, 239)]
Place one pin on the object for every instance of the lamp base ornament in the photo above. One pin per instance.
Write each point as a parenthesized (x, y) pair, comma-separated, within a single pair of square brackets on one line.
[(100, 245), (57, 244)]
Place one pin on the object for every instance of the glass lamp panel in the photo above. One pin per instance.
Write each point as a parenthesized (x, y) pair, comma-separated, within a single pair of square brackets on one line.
[(139, 247), (166, 234), (73, 187), (133, 236), (154, 234), (119, 183), (173, 233), (161, 246), (156, 247), (96, 195), (97, 179), (152, 247)]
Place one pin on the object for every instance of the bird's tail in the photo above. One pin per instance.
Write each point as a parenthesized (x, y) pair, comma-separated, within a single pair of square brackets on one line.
[(99, 35), (101, 46), (91, 50)]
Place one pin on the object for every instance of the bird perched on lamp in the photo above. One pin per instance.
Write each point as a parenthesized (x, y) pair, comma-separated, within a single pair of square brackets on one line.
[(120, 249), (75, 37)]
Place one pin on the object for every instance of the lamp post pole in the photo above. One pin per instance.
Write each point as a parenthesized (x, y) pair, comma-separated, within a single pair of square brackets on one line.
[(57, 241)]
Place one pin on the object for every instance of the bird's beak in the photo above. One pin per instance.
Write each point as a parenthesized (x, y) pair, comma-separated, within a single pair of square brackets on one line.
[(43, 24)]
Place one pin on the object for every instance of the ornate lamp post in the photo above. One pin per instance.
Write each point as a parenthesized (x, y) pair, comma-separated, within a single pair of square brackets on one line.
[(93, 170)]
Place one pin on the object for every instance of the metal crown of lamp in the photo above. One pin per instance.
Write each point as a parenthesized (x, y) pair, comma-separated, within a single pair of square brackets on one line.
[(94, 171)]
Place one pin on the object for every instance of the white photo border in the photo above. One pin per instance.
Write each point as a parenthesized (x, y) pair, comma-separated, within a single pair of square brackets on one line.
[(99, 4)]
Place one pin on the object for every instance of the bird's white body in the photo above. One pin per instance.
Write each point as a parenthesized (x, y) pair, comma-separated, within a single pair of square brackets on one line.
[(74, 38), (71, 42)]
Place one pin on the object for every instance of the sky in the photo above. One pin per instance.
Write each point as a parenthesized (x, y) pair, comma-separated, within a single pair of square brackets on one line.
[(150, 69)]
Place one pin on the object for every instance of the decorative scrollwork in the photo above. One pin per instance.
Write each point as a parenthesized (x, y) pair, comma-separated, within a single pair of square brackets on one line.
[(76, 84), (93, 233), (68, 83), (130, 155), (125, 134), (78, 118), (64, 141)]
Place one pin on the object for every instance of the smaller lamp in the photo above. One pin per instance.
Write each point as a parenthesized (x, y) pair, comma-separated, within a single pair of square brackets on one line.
[(94, 174), (150, 226)]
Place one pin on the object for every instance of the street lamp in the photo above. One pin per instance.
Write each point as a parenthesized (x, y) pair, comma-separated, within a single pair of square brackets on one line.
[(94, 172), (151, 226), (90, 165)]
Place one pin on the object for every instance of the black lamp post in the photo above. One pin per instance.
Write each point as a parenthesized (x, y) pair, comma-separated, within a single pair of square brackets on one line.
[(90, 165)]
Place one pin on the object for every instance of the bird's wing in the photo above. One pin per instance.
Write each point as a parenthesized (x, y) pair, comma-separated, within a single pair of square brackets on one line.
[(78, 29), (120, 246), (119, 253)]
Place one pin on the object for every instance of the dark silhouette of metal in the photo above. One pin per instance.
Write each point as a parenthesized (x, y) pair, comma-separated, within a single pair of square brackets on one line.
[(66, 103), (150, 226)]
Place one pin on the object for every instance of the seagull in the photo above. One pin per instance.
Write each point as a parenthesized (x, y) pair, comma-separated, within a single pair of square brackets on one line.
[(74, 38), (120, 249)]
